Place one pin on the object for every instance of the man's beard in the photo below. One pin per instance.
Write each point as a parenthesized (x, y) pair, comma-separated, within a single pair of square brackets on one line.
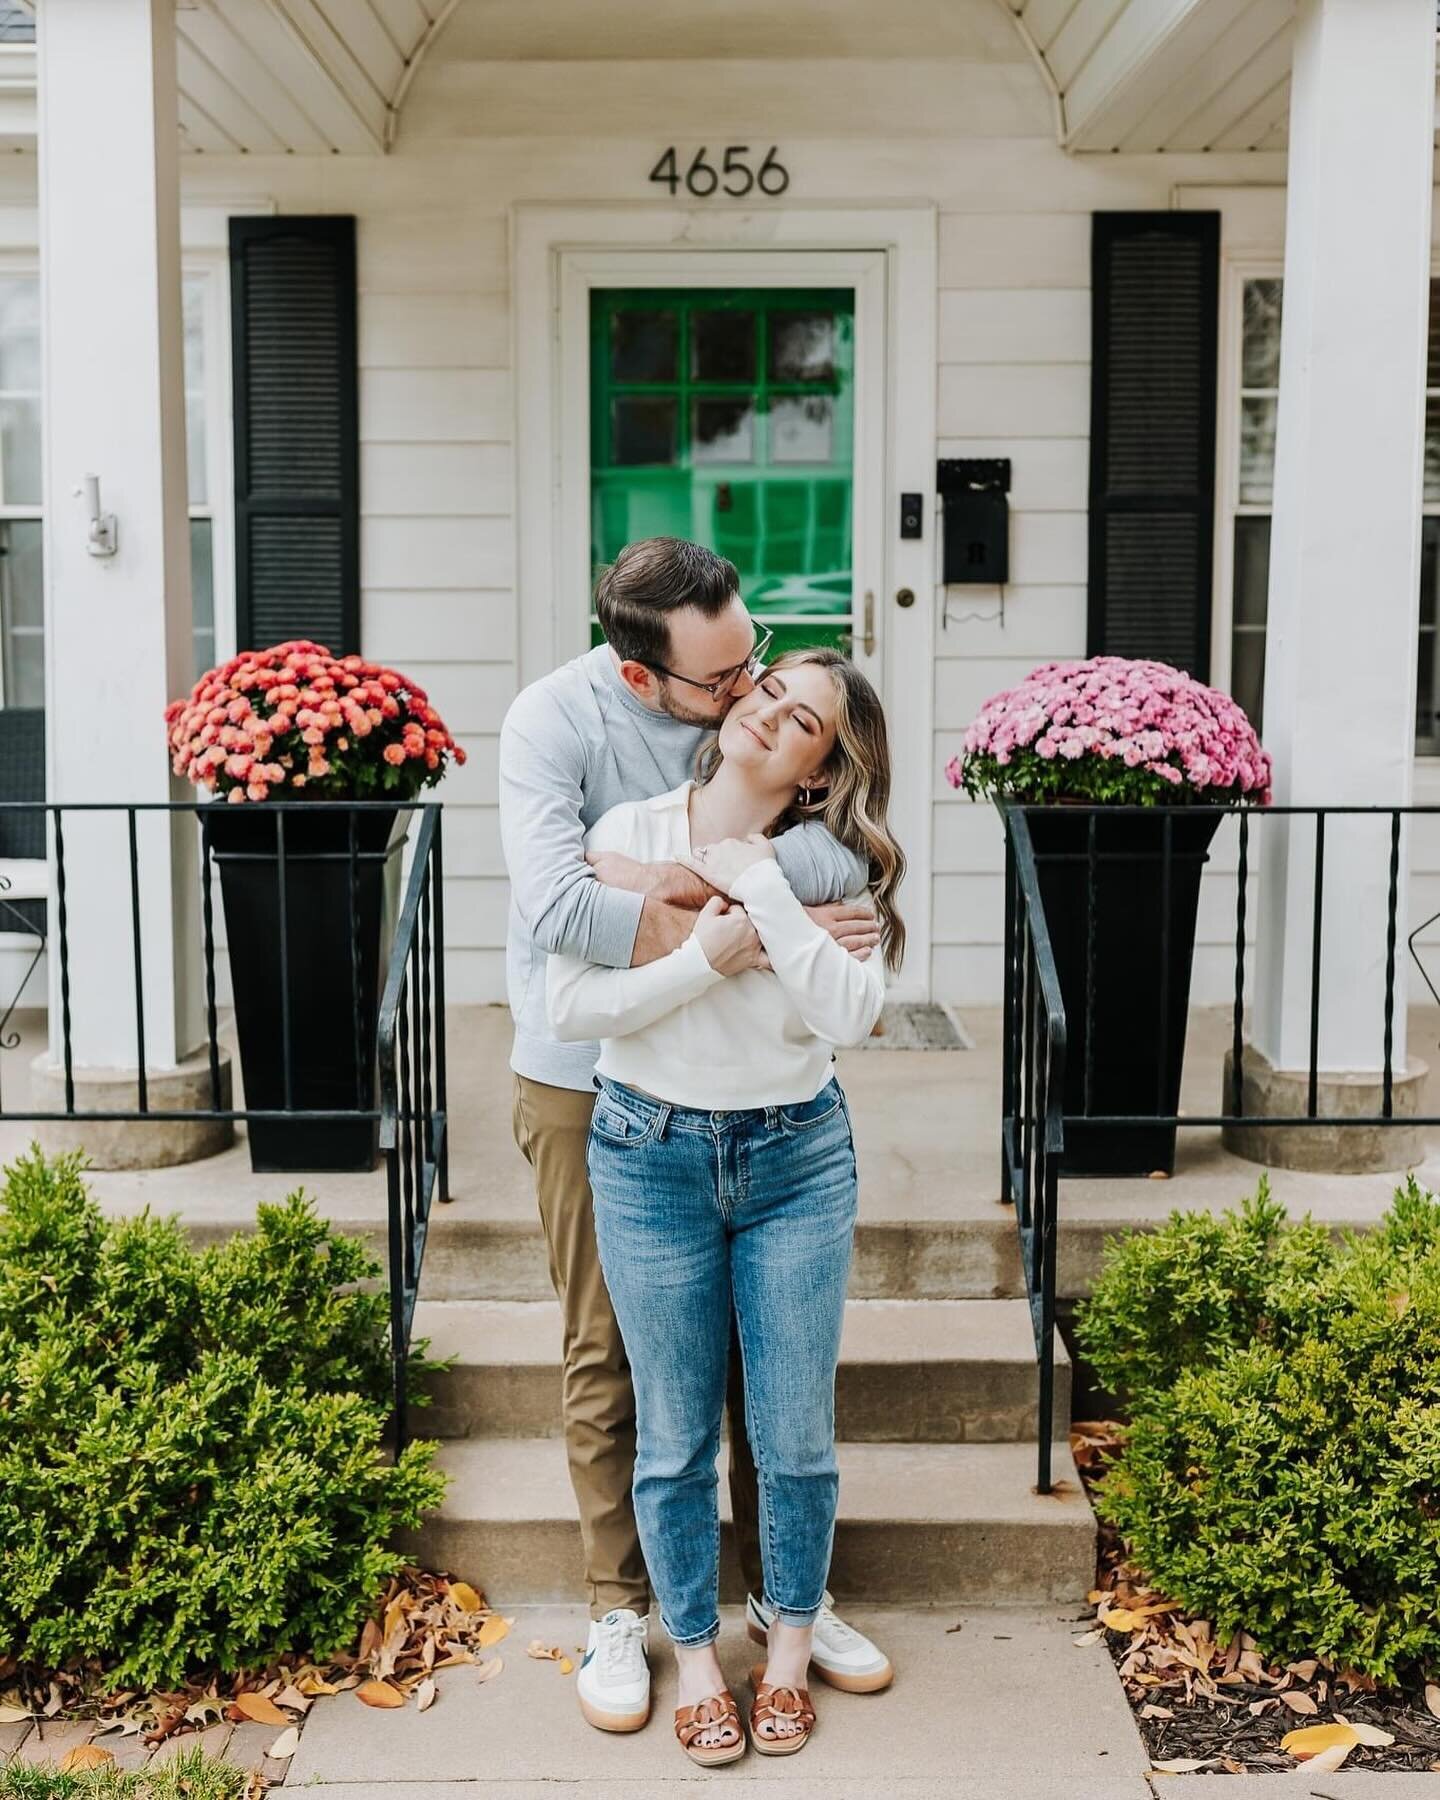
[(682, 714)]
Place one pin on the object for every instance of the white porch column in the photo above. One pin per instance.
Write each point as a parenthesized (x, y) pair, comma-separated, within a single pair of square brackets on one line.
[(1345, 547), (118, 629)]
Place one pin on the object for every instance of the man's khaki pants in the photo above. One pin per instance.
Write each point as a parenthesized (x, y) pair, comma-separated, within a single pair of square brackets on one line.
[(598, 1406)]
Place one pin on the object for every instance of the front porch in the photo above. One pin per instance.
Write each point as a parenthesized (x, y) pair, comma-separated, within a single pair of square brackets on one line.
[(936, 1400), (926, 1122)]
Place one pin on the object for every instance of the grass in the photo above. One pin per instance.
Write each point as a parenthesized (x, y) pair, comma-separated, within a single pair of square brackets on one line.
[(190, 1776)]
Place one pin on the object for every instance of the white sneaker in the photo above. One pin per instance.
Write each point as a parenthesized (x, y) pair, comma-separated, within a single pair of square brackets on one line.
[(614, 1680), (840, 1654)]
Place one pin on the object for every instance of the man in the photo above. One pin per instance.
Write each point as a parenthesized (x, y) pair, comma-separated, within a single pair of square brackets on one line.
[(624, 722)]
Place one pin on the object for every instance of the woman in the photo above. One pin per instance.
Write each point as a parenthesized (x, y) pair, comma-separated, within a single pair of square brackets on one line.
[(723, 1169)]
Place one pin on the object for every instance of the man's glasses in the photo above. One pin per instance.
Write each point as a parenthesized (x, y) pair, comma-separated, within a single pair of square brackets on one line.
[(717, 690)]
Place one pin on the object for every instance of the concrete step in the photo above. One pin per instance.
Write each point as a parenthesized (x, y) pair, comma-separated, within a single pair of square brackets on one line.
[(919, 1523), (920, 1371)]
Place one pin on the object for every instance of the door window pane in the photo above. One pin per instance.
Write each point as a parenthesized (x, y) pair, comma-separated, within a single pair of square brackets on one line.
[(1251, 587), (22, 612), (643, 430), (746, 446), (723, 431), (723, 346), (802, 429), (802, 346), (644, 346)]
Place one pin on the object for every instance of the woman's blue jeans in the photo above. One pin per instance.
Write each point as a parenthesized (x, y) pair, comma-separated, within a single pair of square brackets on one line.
[(697, 1213)]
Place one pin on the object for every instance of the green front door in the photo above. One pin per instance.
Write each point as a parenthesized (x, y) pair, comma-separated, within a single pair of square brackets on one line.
[(727, 415)]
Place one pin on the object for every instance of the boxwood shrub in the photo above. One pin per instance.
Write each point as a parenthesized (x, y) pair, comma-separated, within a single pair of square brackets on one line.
[(1281, 1468), (191, 1467)]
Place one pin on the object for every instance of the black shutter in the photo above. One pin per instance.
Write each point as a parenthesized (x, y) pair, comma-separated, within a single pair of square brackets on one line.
[(297, 457), (1155, 285)]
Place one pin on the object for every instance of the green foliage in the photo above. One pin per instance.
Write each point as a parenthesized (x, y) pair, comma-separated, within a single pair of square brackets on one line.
[(190, 1463), (190, 1775), (1281, 1471)]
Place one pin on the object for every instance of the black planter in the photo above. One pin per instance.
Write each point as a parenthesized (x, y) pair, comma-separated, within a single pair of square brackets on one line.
[(1136, 1039), (332, 1067)]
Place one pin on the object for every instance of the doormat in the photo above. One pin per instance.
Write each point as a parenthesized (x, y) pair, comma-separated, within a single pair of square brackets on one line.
[(913, 1026)]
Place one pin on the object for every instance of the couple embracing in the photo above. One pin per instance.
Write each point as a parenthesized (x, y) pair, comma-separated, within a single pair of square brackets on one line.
[(703, 905)]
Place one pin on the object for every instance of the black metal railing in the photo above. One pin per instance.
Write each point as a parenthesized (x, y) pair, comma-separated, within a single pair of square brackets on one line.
[(409, 1026), (413, 1116), (1036, 1120), (1032, 1087)]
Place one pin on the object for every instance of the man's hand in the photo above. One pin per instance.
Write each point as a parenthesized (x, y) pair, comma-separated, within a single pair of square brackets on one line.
[(665, 881), (730, 942), (851, 923)]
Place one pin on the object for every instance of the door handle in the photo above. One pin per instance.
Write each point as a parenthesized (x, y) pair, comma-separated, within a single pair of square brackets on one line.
[(868, 639)]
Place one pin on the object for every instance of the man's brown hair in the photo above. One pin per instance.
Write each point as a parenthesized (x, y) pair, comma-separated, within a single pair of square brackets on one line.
[(649, 580)]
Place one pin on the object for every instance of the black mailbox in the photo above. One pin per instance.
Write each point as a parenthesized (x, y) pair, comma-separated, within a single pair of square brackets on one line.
[(974, 492)]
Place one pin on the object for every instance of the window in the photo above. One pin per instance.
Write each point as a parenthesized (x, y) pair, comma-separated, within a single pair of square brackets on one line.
[(22, 600), (17, 23), (1251, 494)]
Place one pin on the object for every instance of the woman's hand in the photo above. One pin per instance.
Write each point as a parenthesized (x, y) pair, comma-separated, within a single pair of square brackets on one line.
[(730, 942), (724, 863)]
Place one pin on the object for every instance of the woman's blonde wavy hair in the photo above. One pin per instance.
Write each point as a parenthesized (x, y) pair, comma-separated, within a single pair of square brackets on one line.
[(853, 804)]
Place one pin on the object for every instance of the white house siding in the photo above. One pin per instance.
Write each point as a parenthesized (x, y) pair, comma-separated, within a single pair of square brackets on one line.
[(968, 129)]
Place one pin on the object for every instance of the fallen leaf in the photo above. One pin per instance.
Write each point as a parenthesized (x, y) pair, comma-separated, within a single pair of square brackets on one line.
[(370, 1639), (1124, 1618), (490, 1668), (1090, 1637), (1371, 1735), (1184, 1765), (1303, 1671), (1258, 1708), (311, 1685), (543, 1652), (85, 1756), (566, 1666), (379, 1693), (1326, 1761), (1311, 1740), (294, 1699), (425, 1695), (465, 1597), (285, 1745), (261, 1709), (1432, 1699), (13, 1715), (492, 1631), (1298, 1702), (1156, 1712)]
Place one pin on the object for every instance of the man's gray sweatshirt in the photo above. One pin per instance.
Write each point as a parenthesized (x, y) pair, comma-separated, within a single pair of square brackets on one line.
[(574, 744)]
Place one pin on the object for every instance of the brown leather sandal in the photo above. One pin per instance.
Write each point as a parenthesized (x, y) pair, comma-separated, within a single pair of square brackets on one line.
[(772, 1703), (692, 1722)]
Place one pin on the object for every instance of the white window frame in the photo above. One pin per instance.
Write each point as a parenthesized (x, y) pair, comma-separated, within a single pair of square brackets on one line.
[(1235, 272), (213, 267), (12, 265)]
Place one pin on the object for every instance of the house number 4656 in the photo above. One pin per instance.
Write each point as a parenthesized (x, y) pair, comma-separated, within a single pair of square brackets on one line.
[(735, 176)]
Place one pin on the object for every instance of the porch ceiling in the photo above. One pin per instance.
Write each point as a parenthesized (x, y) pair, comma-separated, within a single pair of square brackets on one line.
[(298, 75), (1150, 75)]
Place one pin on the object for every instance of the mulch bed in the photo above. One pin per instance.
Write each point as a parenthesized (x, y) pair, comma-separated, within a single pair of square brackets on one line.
[(1220, 1707)]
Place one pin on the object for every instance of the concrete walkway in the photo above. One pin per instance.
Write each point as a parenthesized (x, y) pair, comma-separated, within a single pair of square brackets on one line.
[(1007, 1704)]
